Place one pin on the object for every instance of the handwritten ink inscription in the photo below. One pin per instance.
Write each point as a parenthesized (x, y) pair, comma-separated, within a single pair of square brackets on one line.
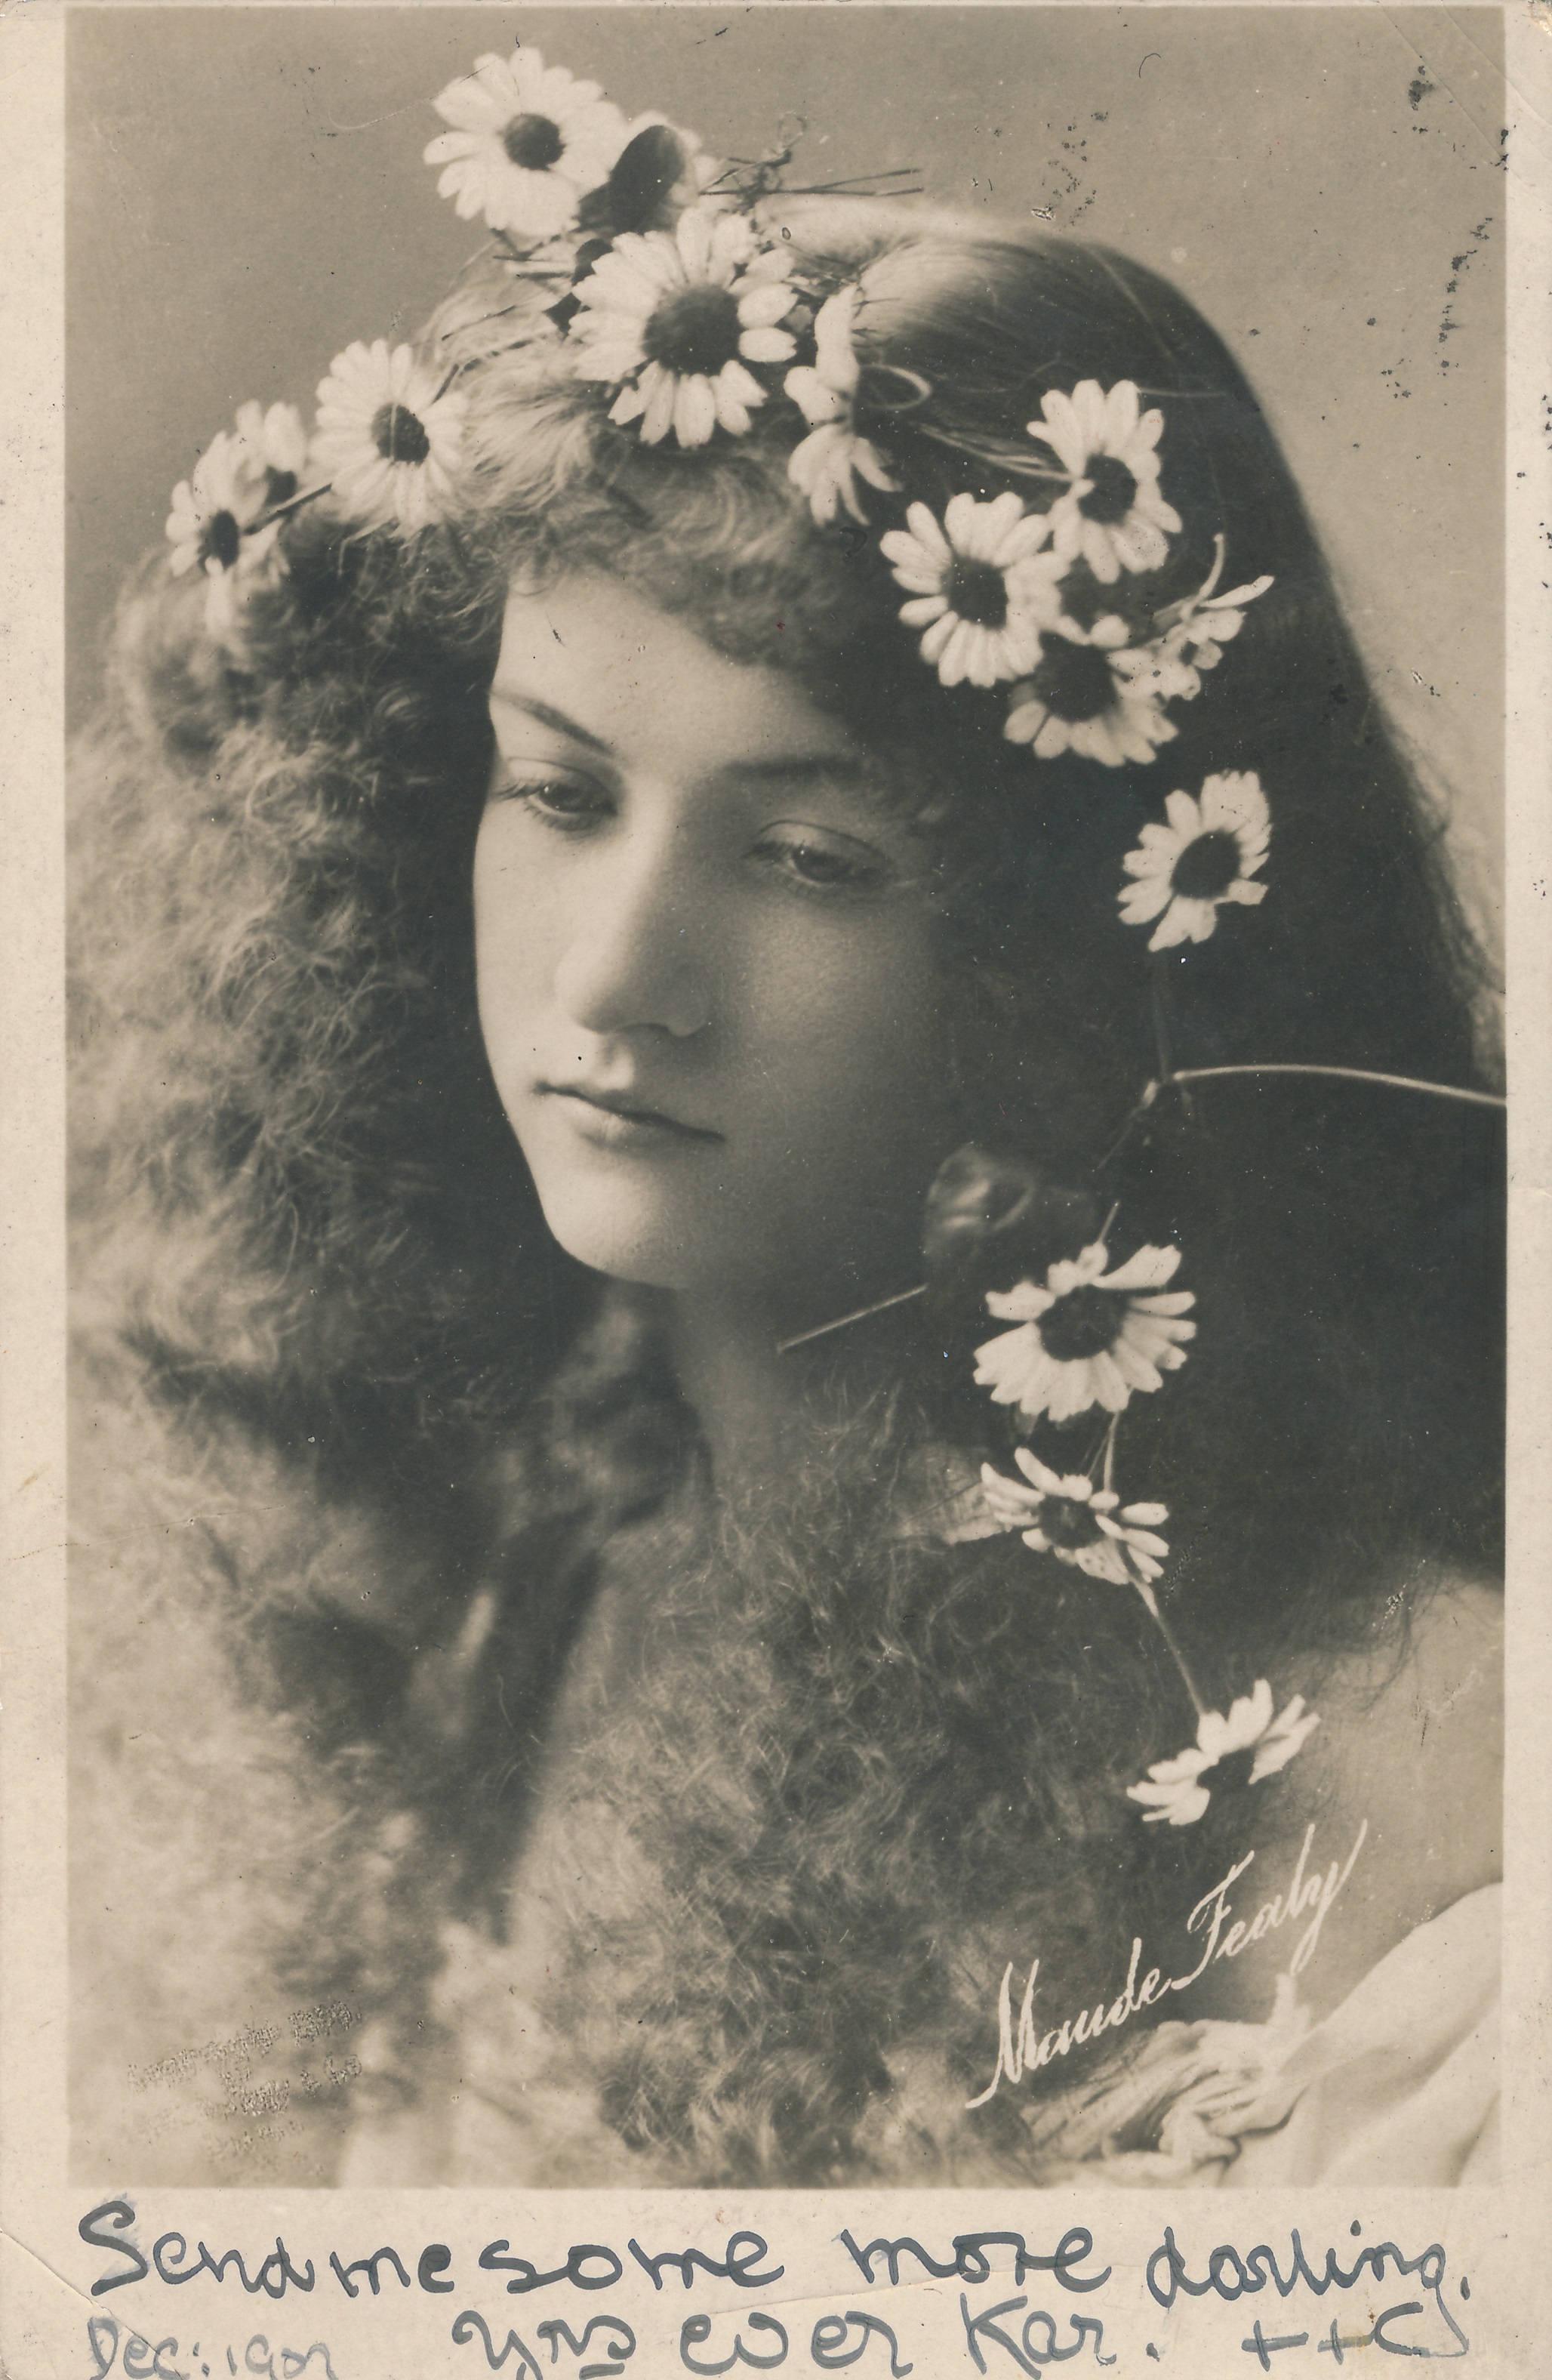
[(111, 2344), (1009, 2334)]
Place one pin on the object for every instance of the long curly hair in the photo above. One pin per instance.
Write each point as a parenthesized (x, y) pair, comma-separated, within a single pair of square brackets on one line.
[(308, 1243)]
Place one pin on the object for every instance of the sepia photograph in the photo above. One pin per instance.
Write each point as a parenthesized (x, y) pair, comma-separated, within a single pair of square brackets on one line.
[(786, 1088)]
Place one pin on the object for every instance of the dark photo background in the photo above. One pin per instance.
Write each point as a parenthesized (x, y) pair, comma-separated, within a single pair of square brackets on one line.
[(245, 197)]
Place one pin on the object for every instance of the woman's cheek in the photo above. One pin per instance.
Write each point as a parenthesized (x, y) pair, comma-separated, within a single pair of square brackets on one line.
[(868, 1040), (517, 921)]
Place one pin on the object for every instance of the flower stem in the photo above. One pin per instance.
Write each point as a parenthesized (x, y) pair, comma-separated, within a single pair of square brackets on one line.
[(1170, 1079), (1151, 1602), (844, 1322), (294, 504), (1161, 1025)]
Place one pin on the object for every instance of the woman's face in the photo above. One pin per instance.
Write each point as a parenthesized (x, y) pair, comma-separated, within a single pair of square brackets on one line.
[(708, 968)]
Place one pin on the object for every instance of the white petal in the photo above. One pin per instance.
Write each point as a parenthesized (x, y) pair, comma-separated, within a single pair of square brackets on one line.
[(1164, 1302), (695, 411), (733, 242), (815, 399), (1023, 1303), (1026, 537), (1149, 1268), (1140, 904), (1134, 1365), (959, 522), (629, 406), (694, 236), (1138, 544), (935, 641), (955, 654), (1090, 410), (1098, 552), (732, 412), (762, 305), (766, 346), (740, 385), (1120, 415), (659, 388), (1172, 928), (1062, 431), (998, 521)]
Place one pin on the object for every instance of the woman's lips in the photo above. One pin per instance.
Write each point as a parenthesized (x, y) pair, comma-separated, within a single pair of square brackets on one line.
[(614, 1121)]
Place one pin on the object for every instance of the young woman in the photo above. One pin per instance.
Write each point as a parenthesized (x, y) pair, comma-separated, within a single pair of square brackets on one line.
[(787, 1249)]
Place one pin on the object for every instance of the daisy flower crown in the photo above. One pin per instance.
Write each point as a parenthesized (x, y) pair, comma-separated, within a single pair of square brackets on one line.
[(661, 282), (659, 279)]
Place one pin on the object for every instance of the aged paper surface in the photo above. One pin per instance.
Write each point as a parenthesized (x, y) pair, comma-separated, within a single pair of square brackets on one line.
[(1358, 201)]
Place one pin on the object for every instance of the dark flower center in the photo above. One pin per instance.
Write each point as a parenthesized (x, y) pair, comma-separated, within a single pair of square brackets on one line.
[(694, 332), (222, 540), (533, 143), (279, 486), (399, 435), (1085, 1322), (1068, 1523), (1206, 867), (1231, 1774), (978, 591), (1113, 493), (1075, 681)]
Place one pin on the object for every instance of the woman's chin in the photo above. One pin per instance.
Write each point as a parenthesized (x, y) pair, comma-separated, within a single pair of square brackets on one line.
[(630, 1240)]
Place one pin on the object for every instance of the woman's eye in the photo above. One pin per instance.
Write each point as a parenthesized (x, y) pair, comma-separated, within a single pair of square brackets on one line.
[(824, 860), (566, 802)]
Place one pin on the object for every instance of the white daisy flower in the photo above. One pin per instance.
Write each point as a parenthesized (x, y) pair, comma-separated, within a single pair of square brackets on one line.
[(1208, 853), (679, 316), (1076, 1522), (828, 463), (388, 436), (1175, 1791), (1201, 624), (1093, 693), (981, 586), (1113, 513), (527, 142), (1089, 1337), (213, 526)]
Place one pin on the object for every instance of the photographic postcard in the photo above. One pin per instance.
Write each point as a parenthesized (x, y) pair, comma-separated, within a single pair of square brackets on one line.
[(758, 1618)]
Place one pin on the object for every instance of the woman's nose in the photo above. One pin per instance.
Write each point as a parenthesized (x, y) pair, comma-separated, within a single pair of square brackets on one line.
[(637, 953)]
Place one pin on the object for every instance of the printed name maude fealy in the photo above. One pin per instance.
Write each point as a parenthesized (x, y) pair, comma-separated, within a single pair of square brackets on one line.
[(1311, 1891)]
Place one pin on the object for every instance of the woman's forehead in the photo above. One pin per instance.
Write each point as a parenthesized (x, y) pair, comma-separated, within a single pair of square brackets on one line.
[(596, 660)]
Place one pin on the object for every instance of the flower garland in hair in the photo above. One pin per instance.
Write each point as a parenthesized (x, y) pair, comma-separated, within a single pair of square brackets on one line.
[(1087, 1334), (1085, 1337), (655, 276)]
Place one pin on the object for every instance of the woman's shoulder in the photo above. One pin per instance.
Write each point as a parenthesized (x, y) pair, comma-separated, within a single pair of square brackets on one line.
[(1415, 1747), (1402, 1783)]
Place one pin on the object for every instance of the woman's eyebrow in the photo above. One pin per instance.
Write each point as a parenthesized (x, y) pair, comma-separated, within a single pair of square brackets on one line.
[(547, 716), (841, 769)]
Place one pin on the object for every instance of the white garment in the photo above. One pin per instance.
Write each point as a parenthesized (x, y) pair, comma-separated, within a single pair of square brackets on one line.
[(1397, 2083)]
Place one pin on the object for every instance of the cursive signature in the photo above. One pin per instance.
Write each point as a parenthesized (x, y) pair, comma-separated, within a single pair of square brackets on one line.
[(1020, 2047)]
